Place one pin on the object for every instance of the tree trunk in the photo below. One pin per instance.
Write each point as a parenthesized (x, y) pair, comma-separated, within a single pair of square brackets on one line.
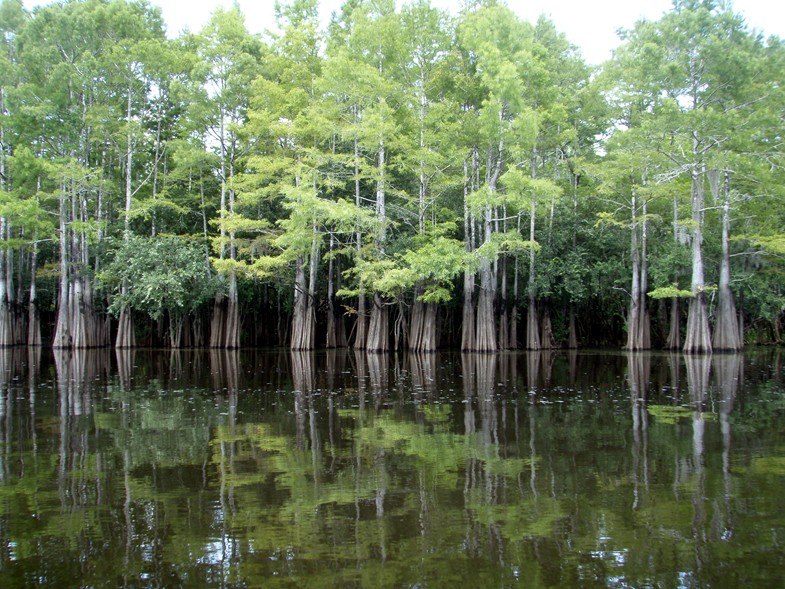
[(378, 328), (726, 331), (175, 331), (698, 338), (512, 333), (467, 323), (638, 320), (304, 317), (416, 320), (6, 328), (422, 331), (126, 338), (533, 341), (336, 331), (572, 338), (504, 321), (485, 327), (217, 321), (547, 340), (232, 325), (361, 325), (300, 334), (643, 304), (33, 319), (633, 315), (532, 326), (62, 337)]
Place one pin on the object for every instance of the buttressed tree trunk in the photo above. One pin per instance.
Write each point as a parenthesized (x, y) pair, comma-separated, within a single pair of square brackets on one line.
[(378, 339), (336, 330), (698, 338), (726, 332), (304, 312)]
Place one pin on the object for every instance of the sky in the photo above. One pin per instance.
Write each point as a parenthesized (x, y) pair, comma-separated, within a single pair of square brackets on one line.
[(589, 24)]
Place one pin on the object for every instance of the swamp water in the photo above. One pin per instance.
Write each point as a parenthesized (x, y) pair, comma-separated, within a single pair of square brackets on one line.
[(278, 469)]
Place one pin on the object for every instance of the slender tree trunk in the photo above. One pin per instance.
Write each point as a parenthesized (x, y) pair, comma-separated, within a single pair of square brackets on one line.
[(378, 328), (643, 305), (504, 321), (633, 314), (467, 324), (33, 319), (218, 321), (638, 334), (232, 326), (175, 331), (361, 325), (126, 337), (698, 338), (533, 341), (62, 337), (674, 333), (232, 321), (726, 331), (572, 338), (336, 331), (512, 335), (485, 329), (6, 327), (547, 339), (416, 320), (5, 314), (673, 342)]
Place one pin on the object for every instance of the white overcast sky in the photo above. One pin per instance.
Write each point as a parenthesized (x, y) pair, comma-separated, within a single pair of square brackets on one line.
[(589, 24)]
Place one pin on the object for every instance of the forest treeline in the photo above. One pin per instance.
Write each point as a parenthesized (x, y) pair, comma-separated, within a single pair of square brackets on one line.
[(401, 178)]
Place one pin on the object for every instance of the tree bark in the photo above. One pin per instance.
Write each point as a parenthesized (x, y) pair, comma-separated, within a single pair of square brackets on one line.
[(33, 318), (378, 327), (698, 338), (467, 323), (126, 338), (726, 331), (336, 330), (422, 325), (304, 313), (62, 337), (572, 338), (533, 341), (547, 340), (638, 331), (6, 328)]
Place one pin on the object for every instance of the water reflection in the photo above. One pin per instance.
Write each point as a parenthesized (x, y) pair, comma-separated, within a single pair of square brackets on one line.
[(728, 374), (341, 468), (638, 375)]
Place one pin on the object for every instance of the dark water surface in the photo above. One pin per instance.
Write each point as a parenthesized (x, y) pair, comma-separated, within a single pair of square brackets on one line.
[(272, 469)]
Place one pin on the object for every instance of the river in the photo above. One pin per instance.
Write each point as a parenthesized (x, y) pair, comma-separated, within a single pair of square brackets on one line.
[(336, 469)]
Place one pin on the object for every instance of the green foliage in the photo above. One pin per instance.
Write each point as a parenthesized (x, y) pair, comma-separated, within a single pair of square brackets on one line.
[(669, 292), (374, 135), (159, 275)]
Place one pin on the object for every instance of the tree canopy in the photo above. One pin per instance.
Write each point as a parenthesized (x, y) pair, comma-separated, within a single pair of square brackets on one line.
[(404, 177)]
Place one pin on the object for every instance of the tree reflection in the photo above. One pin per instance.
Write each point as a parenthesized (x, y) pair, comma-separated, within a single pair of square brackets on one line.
[(638, 375), (422, 368), (698, 370), (225, 483), (728, 376)]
